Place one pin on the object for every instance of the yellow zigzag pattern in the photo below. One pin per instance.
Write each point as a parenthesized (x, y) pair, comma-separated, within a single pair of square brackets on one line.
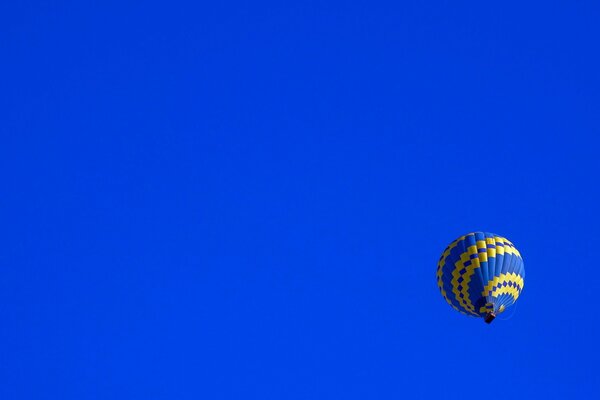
[(464, 300), (494, 287), (440, 272)]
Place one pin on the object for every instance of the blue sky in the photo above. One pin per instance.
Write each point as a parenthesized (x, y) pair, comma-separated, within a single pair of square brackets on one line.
[(247, 200)]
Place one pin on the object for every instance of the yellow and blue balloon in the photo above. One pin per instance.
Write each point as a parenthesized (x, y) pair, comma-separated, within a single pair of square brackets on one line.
[(481, 274)]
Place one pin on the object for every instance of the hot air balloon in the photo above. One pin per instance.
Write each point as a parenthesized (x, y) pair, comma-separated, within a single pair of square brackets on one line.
[(481, 274)]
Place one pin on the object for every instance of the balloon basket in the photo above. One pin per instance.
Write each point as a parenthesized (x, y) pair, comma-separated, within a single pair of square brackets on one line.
[(489, 317)]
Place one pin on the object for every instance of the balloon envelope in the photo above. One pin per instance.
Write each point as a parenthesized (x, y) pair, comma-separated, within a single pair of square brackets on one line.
[(481, 274)]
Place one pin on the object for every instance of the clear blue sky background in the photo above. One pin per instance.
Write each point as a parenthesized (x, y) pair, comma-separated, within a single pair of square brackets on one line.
[(247, 200)]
